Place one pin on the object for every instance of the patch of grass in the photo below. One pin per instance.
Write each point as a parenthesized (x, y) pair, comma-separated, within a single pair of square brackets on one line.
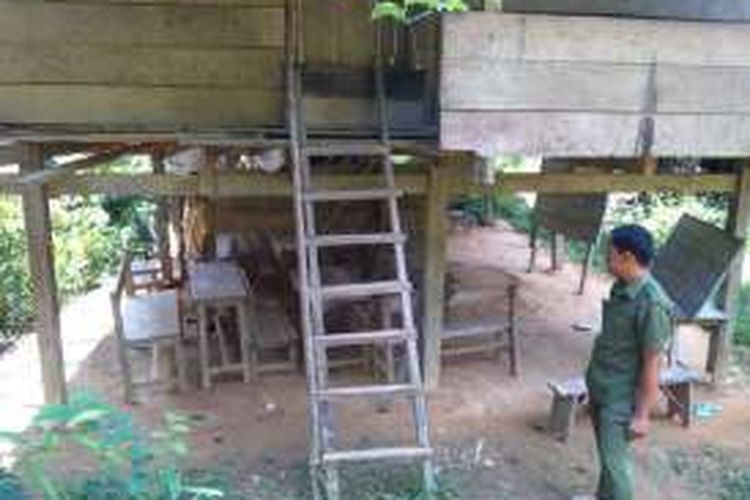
[(405, 483), (362, 482), (711, 471)]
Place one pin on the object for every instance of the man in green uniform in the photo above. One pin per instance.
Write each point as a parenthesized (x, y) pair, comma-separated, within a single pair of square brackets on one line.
[(623, 373)]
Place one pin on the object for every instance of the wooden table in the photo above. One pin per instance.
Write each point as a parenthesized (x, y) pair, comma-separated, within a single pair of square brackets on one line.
[(221, 284)]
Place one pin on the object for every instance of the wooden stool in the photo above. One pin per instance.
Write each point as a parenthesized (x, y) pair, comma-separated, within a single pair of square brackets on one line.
[(567, 397), (676, 383)]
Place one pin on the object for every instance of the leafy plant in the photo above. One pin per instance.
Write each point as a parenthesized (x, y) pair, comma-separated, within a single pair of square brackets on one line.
[(127, 463), (742, 326), (15, 296), (89, 233), (404, 10)]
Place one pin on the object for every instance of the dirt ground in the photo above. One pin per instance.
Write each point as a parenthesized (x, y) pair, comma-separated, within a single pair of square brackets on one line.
[(488, 428)]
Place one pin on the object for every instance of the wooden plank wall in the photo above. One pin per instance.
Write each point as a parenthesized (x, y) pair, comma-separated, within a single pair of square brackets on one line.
[(709, 10), (340, 35), (581, 86), (135, 64)]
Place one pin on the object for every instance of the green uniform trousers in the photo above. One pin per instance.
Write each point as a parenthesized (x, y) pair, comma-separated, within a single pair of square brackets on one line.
[(612, 430)]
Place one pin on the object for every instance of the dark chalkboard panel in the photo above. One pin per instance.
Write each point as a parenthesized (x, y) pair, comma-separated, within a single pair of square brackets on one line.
[(578, 217), (692, 263)]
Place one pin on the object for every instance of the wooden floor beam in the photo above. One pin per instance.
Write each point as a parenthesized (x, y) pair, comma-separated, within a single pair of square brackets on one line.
[(615, 183), (459, 182), (41, 263), (66, 169)]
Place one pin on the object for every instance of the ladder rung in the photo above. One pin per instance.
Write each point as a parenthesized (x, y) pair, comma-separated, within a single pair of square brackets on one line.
[(354, 149), (337, 240), (369, 391), (375, 454), (352, 194), (363, 338), (361, 290)]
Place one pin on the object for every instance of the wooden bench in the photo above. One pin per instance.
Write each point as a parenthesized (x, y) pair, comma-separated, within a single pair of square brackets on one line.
[(496, 335), (676, 382), (148, 321), (275, 335)]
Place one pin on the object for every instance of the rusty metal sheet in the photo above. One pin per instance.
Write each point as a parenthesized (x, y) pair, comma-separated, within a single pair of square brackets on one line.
[(693, 263), (578, 217)]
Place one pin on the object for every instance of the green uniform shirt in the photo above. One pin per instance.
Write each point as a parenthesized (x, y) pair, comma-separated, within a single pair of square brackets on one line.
[(637, 316)]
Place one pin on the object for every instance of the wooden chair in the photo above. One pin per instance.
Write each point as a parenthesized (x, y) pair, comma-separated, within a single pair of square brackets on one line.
[(149, 321), (148, 274)]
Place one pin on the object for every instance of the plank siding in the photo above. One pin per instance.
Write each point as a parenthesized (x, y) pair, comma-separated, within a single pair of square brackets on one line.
[(578, 86), (142, 65), (705, 10), (127, 107)]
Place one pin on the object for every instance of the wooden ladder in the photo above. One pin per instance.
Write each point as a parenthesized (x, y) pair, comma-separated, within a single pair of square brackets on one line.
[(325, 456)]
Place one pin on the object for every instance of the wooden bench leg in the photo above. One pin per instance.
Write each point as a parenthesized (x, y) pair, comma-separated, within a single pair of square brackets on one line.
[(221, 337), (180, 366), (716, 338), (513, 333), (248, 341), (203, 347), (562, 416), (155, 363), (533, 247), (680, 402), (127, 374), (685, 397)]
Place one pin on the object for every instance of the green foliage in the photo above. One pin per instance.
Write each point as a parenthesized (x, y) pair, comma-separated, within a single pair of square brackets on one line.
[(513, 209), (15, 296), (86, 246), (89, 234), (660, 212), (129, 464), (404, 10), (742, 330), (134, 217)]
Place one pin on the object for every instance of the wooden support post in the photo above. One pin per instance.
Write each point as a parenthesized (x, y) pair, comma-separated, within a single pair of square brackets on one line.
[(737, 223), (587, 263), (42, 267), (533, 245), (434, 269), (162, 222), (558, 251)]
